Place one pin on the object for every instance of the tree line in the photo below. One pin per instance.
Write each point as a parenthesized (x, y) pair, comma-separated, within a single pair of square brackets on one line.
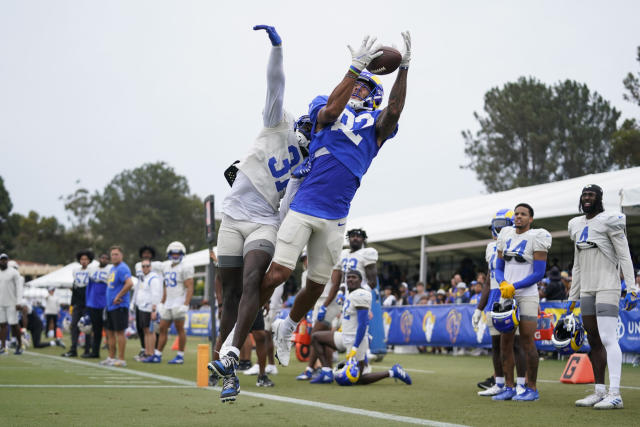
[(533, 133), (149, 205)]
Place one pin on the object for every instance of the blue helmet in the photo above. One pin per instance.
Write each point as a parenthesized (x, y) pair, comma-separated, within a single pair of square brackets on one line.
[(505, 315), (502, 218), (302, 127), (84, 324), (568, 335), (373, 100), (349, 374)]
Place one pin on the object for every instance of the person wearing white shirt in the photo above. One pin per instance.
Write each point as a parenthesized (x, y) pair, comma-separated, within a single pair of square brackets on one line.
[(10, 297), (148, 298)]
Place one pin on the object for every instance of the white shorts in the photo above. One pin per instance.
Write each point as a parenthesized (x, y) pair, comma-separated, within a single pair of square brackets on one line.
[(8, 314), (345, 343), (333, 310), (236, 238), (323, 238), (173, 313), (528, 307)]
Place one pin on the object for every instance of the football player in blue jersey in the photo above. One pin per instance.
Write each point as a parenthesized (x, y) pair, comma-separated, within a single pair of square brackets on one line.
[(348, 131)]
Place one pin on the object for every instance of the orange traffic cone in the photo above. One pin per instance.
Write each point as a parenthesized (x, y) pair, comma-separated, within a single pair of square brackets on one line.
[(578, 370), (58, 333), (175, 345)]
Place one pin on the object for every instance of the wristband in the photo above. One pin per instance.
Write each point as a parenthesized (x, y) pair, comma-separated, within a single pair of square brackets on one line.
[(354, 70)]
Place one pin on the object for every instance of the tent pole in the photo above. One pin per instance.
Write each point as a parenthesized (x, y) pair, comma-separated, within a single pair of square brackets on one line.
[(423, 259)]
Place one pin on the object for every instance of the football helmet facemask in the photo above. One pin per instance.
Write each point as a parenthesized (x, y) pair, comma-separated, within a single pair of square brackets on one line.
[(502, 218), (302, 128), (84, 324), (373, 100), (568, 334), (175, 252)]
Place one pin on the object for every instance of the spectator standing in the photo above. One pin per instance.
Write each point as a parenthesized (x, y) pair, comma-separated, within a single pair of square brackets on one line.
[(389, 299), (149, 295), (10, 298), (147, 253), (51, 309), (117, 307), (419, 292), (78, 302)]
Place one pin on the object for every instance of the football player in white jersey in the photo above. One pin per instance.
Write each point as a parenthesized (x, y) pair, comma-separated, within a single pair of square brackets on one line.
[(522, 262), (177, 293), (145, 253), (354, 337), (247, 234), (490, 295), (601, 253), (329, 305)]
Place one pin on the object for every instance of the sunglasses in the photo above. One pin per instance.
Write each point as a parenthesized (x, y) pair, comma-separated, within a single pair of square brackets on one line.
[(146, 265)]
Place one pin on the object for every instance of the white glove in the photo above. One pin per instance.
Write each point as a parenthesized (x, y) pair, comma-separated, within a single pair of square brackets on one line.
[(406, 55), (365, 54), (475, 319)]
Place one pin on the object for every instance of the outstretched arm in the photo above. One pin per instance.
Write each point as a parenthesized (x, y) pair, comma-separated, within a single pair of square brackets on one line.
[(389, 117), (272, 113), (341, 94)]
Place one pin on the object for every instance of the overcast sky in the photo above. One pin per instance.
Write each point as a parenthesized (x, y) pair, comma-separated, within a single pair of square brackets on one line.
[(90, 88)]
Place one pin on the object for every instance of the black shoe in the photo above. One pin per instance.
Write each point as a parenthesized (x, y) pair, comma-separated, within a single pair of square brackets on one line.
[(213, 379), (264, 381), (59, 343), (70, 353), (86, 355), (488, 383), (92, 356)]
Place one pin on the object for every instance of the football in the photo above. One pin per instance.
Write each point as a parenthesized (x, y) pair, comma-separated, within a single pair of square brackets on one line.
[(386, 63)]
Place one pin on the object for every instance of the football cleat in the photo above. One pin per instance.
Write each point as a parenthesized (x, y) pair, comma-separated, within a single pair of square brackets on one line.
[(507, 394), (281, 342), (213, 379), (591, 400), (3, 351), (107, 362), (610, 401), (18, 351), (254, 370), (488, 383), (140, 356), (400, 374), (520, 389), (529, 395), (492, 391), (225, 366), (324, 377), (178, 360), (306, 375), (153, 359), (59, 343), (70, 353), (264, 381), (230, 389), (243, 365), (271, 369)]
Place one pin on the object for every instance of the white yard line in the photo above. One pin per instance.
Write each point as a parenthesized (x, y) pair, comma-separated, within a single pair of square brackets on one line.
[(327, 406), (630, 387), (91, 386), (420, 371)]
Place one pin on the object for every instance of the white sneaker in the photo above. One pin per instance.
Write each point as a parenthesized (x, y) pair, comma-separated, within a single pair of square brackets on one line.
[(254, 370), (281, 342), (107, 362), (271, 369), (520, 389), (119, 363), (610, 401), (491, 391), (590, 400)]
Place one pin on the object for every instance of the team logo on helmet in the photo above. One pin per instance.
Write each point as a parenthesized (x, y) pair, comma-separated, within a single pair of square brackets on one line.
[(347, 374), (502, 218), (505, 315)]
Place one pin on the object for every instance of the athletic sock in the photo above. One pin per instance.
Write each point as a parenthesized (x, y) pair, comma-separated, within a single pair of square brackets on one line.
[(228, 342), (326, 369), (289, 325), (607, 327), (519, 381), (601, 389), (500, 381), (180, 353), (390, 373), (157, 352), (235, 351)]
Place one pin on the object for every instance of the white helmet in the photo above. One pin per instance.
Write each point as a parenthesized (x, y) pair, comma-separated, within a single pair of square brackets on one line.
[(176, 248)]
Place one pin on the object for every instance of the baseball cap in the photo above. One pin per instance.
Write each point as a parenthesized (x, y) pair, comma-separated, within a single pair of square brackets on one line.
[(4, 256), (441, 292), (461, 285)]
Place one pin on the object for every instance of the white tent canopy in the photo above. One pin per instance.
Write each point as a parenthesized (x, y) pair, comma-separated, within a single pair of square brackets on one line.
[(548, 200), (62, 278), (630, 200)]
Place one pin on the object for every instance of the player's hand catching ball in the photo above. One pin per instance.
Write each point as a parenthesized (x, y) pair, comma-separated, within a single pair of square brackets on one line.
[(271, 31), (507, 290), (406, 55), (366, 53)]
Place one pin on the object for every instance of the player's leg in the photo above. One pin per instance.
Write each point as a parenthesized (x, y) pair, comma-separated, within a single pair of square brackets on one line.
[(498, 385), (149, 341), (520, 360), (506, 353), (165, 323), (95, 314), (4, 328), (598, 354), (15, 331), (320, 340), (527, 342), (607, 318), (121, 323), (178, 322), (231, 278), (76, 314), (141, 334)]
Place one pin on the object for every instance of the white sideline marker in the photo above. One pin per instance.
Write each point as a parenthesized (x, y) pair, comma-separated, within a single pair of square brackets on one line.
[(328, 406)]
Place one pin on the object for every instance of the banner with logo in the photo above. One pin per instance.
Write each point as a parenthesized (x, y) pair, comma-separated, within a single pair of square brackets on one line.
[(449, 325), (197, 323)]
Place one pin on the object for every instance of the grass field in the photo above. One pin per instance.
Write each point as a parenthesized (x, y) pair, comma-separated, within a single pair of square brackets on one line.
[(40, 388)]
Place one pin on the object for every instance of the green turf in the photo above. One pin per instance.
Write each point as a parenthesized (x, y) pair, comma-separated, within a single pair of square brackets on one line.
[(447, 395)]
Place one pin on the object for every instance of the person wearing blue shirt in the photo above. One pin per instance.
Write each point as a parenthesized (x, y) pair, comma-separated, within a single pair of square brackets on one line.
[(118, 288), (97, 301)]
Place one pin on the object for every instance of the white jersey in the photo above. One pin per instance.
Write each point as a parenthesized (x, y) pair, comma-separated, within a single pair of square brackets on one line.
[(81, 277), (517, 251), (174, 277), (100, 274), (491, 256), (601, 252), (357, 299), (51, 304), (156, 267), (10, 287), (357, 260), (149, 292)]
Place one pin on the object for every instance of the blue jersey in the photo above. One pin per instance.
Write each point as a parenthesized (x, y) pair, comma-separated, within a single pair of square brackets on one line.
[(352, 144), (119, 274), (97, 288)]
